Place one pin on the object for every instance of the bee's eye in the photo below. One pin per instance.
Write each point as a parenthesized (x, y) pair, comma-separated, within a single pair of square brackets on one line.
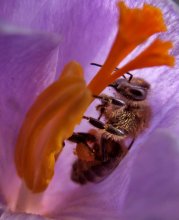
[(138, 93)]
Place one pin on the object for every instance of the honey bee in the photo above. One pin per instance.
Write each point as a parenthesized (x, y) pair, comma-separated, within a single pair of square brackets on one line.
[(126, 115)]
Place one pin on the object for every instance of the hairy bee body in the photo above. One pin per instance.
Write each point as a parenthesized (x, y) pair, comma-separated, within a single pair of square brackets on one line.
[(131, 119)]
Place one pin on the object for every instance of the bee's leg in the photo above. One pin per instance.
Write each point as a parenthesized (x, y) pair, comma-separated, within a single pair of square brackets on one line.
[(110, 100), (107, 127), (101, 109), (129, 147), (103, 149), (106, 100), (83, 138)]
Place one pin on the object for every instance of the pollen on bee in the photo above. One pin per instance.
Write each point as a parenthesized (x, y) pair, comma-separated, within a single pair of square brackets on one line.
[(84, 153)]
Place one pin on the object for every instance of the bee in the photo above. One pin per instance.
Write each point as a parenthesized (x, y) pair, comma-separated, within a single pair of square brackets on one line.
[(126, 115)]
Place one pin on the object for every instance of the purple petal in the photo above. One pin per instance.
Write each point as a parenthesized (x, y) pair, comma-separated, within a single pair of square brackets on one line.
[(82, 39), (29, 60), (153, 191), (83, 26), (27, 65)]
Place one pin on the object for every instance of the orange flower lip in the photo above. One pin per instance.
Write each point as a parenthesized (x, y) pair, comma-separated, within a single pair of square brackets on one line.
[(57, 110)]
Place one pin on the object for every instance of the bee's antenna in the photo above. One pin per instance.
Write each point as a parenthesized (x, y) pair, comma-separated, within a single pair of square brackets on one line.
[(96, 64), (99, 65), (130, 76)]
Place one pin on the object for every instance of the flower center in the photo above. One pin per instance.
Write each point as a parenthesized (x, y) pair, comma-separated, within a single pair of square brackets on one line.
[(60, 107)]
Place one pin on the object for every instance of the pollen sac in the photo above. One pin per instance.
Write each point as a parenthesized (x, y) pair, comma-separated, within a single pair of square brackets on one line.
[(49, 121), (84, 153)]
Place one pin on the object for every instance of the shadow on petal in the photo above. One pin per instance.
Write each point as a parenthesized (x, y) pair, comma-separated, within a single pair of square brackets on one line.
[(21, 216)]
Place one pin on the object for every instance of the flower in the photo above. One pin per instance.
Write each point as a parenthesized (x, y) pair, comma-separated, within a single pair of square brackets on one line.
[(45, 48), (52, 117)]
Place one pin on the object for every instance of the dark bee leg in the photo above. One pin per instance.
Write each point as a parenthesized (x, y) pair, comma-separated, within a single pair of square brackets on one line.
[(103, 148), (108, 127), (110, 100), (81, 137), (131, 144), (101, 109), (106, 100)]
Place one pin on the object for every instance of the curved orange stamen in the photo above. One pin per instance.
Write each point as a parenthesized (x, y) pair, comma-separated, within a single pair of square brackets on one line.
[(47, 124)]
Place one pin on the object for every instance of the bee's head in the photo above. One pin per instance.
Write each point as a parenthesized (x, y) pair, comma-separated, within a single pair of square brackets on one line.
[(135, 90)]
